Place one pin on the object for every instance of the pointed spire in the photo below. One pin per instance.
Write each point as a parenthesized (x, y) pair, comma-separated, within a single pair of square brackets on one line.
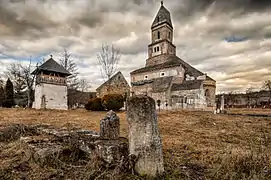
[(163, 15)]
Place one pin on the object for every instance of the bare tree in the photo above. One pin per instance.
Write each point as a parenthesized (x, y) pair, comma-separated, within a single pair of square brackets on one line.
[(267, 86), (83, 85), (15, 74), (68, 63), (21, 75), (249, 95), (108, 59), (72, 81)]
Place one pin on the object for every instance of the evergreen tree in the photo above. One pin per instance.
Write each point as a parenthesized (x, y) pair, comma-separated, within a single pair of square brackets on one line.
[(9, 94), (2, 95)]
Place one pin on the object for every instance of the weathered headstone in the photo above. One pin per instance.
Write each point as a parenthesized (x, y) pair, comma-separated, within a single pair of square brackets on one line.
[(222, 103), (144, 138), (110, 126)]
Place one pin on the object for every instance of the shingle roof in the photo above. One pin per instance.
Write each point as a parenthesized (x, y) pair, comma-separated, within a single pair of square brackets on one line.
[(161, 84), (187, 85), (162, 16), (158, 84), (113, 77), (52, 66), (172, 61)]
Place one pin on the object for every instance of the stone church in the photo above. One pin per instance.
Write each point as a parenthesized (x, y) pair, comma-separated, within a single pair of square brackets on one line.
[(168, 78), (51, 86), (117, 84)]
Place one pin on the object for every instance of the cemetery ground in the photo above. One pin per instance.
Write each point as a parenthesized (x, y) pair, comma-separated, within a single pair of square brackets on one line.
[(196, 145)]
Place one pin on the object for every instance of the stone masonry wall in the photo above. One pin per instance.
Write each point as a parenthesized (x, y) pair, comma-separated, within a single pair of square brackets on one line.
[(174, 71), (117, 85), (159, 58), (210, 95), (195, 99), (163, 33)]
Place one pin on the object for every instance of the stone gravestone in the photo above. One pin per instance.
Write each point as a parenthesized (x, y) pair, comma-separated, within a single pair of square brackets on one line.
[(222, 104), (144, 138), (110, 126), (110, 148)]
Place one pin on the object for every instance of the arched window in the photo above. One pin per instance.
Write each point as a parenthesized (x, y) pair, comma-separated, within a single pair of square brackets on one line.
[(207, 92), (158, 35)]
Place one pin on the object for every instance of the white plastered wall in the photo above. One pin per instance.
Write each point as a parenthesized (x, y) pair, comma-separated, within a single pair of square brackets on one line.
[(55, 96)]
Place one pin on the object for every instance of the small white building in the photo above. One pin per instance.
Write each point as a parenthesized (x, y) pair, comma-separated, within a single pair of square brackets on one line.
[(51, 86)]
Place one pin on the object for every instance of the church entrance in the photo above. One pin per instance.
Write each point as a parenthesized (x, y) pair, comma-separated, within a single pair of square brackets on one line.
[(43, 102), (207, 97)]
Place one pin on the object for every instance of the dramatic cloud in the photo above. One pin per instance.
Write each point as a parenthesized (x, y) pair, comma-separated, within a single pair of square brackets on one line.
[(229, 40)]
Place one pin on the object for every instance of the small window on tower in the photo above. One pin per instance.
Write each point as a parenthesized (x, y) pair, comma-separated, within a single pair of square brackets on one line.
[(158, 35), (158, 19), (169, 35), (145, 77), (158, 48), (162, 74)]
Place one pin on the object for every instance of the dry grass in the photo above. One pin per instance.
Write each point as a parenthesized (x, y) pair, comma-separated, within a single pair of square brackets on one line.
[(196, 145), (249, 111)]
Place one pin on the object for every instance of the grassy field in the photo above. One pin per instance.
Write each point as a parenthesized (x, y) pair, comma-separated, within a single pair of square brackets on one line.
[(196, 145), (249, 111)]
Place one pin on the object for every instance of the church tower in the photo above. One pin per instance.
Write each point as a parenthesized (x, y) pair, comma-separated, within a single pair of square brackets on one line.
[(51, 86), (168, 78), (161, 38)]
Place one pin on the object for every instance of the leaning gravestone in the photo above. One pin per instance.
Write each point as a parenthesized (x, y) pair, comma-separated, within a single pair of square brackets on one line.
[(110, 126), (144, 138)]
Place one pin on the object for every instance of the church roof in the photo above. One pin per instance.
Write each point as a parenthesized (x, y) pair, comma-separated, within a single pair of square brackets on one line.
[(172, 61), (52, 66), (161, 84), (163, 16), (118, 74), (158, 84), (187, 85)]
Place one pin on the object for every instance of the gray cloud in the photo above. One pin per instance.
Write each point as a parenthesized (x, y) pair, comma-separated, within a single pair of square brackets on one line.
[(201, 27)]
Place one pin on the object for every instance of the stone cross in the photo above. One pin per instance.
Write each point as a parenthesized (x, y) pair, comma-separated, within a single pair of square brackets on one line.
[(110, 126), (144, 138)]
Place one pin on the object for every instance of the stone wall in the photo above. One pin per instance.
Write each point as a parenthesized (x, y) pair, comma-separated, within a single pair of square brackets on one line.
[(51, 96), (210, 95), (143, 89), (174, 71), (156, 60), (164, 32), (160, 57), (117, 85), (192, 99)]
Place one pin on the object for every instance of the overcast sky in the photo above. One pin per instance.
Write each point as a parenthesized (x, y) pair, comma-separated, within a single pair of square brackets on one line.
[(230, 40)]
